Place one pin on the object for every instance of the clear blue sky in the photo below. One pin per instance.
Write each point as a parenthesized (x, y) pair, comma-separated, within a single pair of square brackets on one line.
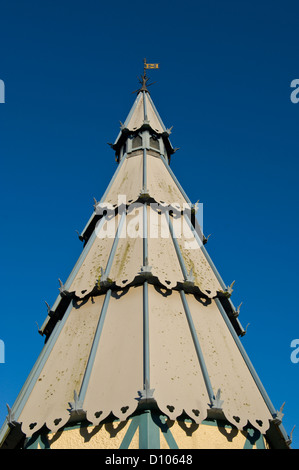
[(224, 84)]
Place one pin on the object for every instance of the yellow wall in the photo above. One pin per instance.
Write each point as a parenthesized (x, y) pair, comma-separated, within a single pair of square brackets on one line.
[(187, 435)]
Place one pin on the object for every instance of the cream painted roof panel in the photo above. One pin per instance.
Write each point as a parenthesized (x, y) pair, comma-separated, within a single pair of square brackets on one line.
[(63, 372), (227, 369), (195, 259), (175, 372), (128, 258), (137, 117), (136, 120), (161, 185), (117, 372), (96, 258), (152, 116), (128, 181), (162, 256)]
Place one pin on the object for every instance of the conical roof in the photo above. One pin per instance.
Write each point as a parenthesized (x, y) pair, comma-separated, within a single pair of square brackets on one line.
[(144, 317)]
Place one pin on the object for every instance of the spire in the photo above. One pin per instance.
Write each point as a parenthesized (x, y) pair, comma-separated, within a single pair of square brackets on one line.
[(143, 128), (142, 345)]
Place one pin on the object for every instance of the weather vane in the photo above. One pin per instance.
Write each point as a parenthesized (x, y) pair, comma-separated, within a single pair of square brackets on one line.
[(144, 79)]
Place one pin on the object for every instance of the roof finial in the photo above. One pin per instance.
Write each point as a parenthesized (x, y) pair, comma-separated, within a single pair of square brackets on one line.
[(144, 79)]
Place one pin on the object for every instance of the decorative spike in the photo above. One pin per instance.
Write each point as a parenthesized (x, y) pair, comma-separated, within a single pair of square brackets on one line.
[(228, 291), (194, 207), (147, 393), (95, 203), (237, 312), (144, 193), (76, 405), (103, 280), (10, 417), (48, 307), (289, 441), (216, 402), (62, 289), (103, 276), (279, 415), (146, 269), (190, 278), (205, 239), (230, 288), (61, 285)]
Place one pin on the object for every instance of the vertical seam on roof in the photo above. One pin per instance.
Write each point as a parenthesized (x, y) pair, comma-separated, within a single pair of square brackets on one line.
[(198, 349), (94, 347)]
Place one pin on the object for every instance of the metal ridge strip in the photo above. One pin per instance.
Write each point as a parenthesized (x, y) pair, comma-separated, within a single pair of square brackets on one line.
[(198, 348), (94, 347)]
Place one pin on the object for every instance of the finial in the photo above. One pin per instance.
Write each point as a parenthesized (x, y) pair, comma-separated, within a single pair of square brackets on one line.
[(144, 79)]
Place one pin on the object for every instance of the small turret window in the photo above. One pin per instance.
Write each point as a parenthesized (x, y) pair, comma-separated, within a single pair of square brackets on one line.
[(136, 142), (154, 142)]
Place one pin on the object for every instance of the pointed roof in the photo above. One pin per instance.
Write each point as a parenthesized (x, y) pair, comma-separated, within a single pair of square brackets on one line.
[(144, 318), (143, 116), (144, 111)]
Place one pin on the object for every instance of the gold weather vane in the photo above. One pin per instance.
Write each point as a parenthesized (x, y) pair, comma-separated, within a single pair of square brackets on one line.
[(144, 79), (149, 66)]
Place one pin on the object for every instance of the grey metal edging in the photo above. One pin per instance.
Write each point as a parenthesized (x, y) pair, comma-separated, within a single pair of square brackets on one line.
[(145, 236), (94, 347), (176, 246), (198, 348), (144, 170), (246, 358), (115, 243), (36, 370), (144, 107), (146, 352)]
